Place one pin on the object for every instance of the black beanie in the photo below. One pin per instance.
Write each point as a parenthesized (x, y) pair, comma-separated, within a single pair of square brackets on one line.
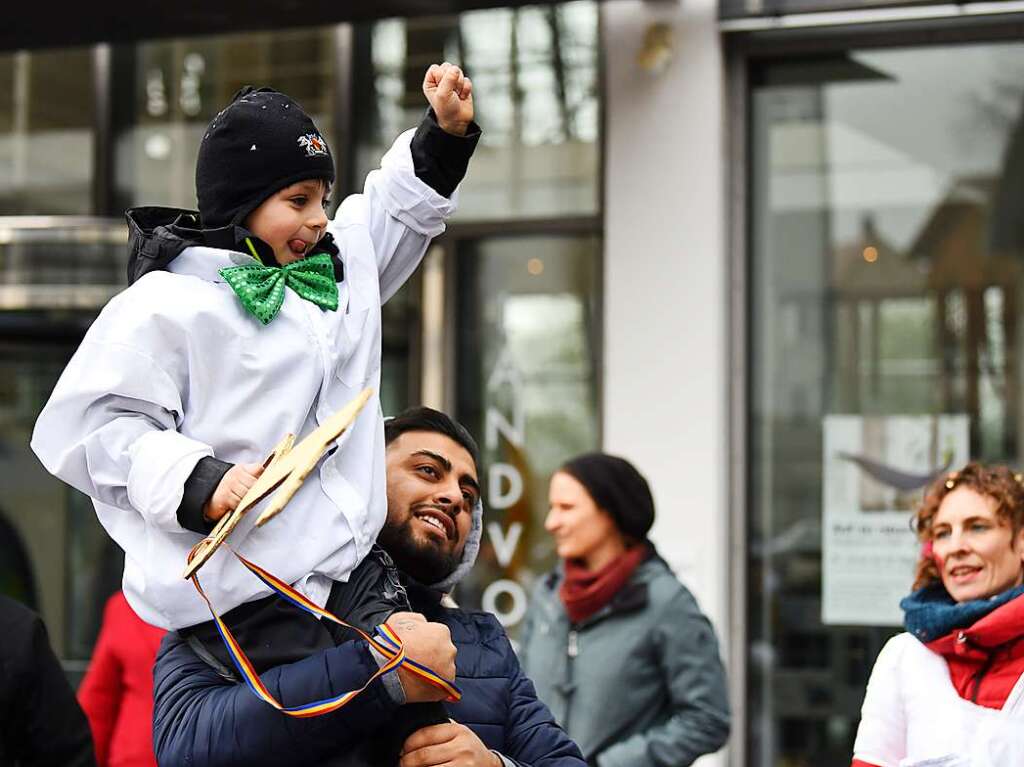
[(618, 488), (260, 143)]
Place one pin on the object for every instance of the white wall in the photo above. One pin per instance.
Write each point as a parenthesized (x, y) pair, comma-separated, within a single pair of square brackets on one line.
[(665, 385)]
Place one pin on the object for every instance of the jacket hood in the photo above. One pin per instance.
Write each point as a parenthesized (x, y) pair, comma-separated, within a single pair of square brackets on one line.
[(156, 236)]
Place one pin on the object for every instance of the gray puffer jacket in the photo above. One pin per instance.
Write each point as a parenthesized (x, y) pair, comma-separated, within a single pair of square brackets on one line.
[(638, 684)]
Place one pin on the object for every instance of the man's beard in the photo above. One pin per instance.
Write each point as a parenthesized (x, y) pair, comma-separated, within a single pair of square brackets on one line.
[(420, 559)]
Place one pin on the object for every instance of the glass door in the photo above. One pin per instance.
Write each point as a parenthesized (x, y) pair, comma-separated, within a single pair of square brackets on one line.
[(527, 350), (886, 258)]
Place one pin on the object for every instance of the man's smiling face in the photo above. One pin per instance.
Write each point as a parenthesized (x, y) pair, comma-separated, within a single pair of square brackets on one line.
[(432, 489)]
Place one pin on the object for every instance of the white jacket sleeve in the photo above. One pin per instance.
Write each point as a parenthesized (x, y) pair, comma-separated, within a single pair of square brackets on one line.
[(108, 430), (402, 212), (882, 734)]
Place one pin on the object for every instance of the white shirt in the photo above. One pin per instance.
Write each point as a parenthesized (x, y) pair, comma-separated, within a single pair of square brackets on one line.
[(912, 715), (175, 369)]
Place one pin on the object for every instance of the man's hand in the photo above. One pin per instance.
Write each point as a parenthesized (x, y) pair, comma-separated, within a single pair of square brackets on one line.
[(453, 745), (429, 644), (450, 94), (232, 488)]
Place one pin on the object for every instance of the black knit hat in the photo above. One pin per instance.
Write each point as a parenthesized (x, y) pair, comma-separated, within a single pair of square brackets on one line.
[(618, 488), (260, 143)]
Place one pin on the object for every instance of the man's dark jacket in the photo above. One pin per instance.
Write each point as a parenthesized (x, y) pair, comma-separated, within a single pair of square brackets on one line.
[(202, 719), (41, 723)]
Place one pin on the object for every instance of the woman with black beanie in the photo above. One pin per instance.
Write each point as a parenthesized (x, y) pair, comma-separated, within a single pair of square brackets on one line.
[(616, 645)]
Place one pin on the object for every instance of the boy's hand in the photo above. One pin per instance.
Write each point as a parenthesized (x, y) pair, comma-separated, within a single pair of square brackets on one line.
[(452, 744), (232, 488), (450, 94), (429, 644)]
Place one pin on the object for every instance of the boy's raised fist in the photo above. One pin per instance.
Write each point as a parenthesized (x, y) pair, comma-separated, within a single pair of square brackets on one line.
[(450, 94)]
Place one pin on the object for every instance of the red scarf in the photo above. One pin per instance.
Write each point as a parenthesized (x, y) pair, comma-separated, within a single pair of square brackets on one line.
[(584, 592)]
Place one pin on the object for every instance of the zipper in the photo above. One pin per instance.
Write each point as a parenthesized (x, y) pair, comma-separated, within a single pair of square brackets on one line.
[(572, 649), (980, 675), (990, 659)]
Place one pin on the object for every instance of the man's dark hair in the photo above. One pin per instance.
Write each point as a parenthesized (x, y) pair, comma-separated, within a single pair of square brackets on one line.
[(428, 419)]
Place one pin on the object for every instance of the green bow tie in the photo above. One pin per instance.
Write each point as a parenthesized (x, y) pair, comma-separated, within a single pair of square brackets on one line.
[(261, 288)]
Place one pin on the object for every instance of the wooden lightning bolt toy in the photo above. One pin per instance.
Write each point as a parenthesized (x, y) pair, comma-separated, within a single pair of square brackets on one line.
[(286, 468)]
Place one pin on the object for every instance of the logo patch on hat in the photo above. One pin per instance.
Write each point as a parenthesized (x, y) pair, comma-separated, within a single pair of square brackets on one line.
[(313, 144)]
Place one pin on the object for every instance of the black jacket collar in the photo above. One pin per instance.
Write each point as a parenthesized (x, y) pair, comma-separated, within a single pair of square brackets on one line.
[(157, 235), (422, 598)]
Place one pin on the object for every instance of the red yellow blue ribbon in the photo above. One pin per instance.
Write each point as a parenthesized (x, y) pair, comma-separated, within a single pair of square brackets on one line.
[(385, 641)]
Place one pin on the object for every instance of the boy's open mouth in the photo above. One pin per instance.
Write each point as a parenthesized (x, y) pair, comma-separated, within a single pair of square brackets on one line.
[(298, 247)]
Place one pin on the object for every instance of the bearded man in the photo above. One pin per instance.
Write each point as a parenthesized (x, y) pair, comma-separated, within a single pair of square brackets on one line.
[(432, 534)]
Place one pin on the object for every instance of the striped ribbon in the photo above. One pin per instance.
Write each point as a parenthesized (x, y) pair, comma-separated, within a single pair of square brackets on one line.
[(384, 641)]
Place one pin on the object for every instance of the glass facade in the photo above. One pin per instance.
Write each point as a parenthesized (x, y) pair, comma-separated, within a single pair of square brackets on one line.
[(47, 121), (527, 360), (54, 556), (535, 88), (177, 86), (742, 8), (886, 283)]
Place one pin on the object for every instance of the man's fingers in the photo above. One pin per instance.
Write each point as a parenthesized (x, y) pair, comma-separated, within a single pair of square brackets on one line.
[(424, 742), (467, 89), (430, 736), (431, 756)]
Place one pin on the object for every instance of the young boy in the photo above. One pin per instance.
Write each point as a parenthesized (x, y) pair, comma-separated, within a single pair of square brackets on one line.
[(255, 317)]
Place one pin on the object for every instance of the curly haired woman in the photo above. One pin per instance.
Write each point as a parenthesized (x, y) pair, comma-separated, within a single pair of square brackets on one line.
[(950, 691)]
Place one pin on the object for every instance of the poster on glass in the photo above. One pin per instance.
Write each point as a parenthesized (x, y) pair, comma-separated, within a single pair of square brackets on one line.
[(875, 470)]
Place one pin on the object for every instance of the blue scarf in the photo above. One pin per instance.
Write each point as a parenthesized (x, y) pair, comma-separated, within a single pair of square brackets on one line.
[(930, 612)]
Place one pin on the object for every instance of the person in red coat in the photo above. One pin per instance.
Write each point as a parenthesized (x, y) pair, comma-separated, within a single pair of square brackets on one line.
[(117, 691)]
